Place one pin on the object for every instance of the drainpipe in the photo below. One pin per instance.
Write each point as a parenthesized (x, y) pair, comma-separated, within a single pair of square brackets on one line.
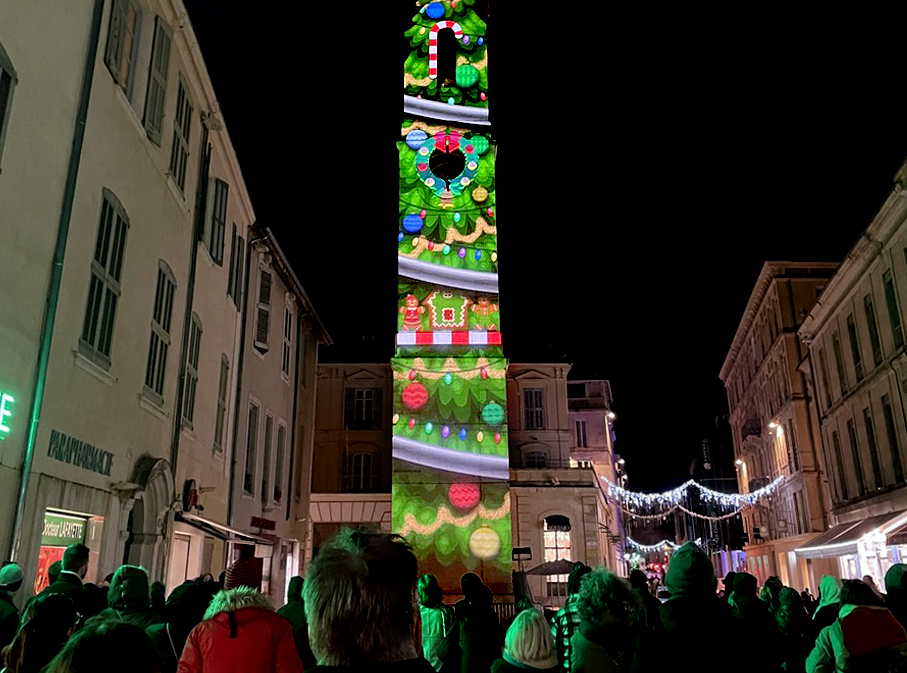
[(295, 406), (239, 375), (53, 292)]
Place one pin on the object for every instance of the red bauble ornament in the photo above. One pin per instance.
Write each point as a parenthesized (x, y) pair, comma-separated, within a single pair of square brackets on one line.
[(412, 423), (464, 496), (414, 396), (412, 374), (484, 373)]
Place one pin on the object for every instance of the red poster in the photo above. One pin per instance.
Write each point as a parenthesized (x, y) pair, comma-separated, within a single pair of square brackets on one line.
[(46, 557)]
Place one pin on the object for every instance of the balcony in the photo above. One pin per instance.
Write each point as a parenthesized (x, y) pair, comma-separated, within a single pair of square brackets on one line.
[(582, 403)]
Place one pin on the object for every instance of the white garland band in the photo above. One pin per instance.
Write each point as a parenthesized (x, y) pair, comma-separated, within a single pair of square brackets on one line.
[(674, 496)]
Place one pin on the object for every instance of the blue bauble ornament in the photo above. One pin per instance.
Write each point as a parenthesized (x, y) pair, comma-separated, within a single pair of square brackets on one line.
[(435, 10), (400, 237), (462, 433), (414, 139), (412, 224)]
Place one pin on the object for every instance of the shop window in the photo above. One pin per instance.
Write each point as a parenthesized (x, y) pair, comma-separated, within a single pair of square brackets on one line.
[(556, 541)]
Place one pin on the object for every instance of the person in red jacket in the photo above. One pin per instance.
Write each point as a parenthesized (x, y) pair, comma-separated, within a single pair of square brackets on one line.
[(241, 633)]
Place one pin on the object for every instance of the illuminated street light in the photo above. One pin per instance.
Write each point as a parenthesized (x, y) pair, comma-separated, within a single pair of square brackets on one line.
[(612, 415)]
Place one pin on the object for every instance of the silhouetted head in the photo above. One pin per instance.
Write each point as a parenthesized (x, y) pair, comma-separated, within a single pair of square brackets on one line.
[(429, 591), (75, 559), (857, 592), (529, 641), (105, 648), (638, 579)]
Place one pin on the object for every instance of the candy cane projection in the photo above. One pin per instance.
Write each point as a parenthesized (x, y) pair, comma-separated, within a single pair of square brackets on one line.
[(433, 43), (451, 496)]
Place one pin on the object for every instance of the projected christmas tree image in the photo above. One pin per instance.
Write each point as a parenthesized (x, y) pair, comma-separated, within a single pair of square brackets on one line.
[(451, 496)]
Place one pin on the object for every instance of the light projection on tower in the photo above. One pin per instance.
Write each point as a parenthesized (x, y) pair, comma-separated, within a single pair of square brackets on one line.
[(451, 496)]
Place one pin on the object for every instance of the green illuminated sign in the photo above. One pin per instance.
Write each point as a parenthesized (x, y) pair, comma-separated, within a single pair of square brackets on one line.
[(61, 530), (6, 401)]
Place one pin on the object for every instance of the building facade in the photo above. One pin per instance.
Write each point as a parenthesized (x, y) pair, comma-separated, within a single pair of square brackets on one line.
[(125, 211), (858, 368), (772, 423), (559, 507)]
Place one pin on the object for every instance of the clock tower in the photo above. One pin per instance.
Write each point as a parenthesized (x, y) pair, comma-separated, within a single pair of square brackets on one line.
[(451, 496)]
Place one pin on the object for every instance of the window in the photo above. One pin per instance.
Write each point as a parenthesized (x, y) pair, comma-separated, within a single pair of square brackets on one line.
[(179, 150), (266, 460), (536, 459), (891, 431), (263, 310), (857, 462), (801, 512), (790, 432), (160, 333), (874, 341), (873, 448), (533, 408), (248, 486), (104, 288), (894, 316), (121, 41), (278, 465), (218, 225), (157, 81), (839, 461), (7, 84), (556, 539), (855, 347), (362, 472), (195, 341), (363, 408), (220, 417), (581, 435), (839, 362), (237, 267), (286, 355)]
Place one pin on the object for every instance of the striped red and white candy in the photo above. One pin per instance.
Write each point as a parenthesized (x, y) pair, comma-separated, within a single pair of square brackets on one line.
[(433, 44)]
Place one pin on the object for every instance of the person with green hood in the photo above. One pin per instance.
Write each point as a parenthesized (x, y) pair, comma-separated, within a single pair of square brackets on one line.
[(294, 610), (829, 604), (896, 592), (128, 599), (695, 618)]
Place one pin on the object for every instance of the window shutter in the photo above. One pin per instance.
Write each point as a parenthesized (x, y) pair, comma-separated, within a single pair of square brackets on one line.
[(349, 409), (231, 274), (377, 407), (6, 88), (157, 81), (263, 321), (114, 51), (218, 221), (239, 283)]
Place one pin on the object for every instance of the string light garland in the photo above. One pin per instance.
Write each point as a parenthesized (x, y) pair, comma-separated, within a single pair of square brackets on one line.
[(676, 496), (645, 548), (696, 515)]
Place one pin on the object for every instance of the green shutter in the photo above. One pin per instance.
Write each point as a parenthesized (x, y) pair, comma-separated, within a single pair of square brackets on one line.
[(231, 274), (157, 81), (114, 52)]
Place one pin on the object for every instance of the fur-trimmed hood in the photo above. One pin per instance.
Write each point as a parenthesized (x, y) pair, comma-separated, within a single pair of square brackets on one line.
[(231, 600)]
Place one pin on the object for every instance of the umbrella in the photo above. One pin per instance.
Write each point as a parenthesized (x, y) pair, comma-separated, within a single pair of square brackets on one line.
[(559, 567)]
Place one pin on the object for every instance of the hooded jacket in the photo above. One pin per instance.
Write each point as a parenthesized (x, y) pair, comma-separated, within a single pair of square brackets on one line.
[(128, 599), (294, 610), (240, 634), (694, 616), (862, 638), (896, 589)]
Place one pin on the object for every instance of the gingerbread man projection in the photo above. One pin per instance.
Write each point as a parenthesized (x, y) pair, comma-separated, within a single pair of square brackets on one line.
[(412, 312), (485, 312)]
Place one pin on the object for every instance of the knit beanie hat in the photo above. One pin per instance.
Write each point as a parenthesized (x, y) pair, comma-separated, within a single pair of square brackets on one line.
[(241, 574)]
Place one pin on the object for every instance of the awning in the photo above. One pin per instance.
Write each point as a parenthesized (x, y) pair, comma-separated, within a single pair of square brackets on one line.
[(844, 539), (221, 531)]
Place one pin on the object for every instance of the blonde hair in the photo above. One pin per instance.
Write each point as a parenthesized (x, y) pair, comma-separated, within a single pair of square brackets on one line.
[(529, 638)]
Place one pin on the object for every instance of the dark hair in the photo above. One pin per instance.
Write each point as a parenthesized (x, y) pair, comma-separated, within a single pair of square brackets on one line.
[(603, 594), (358, 599), (105, 648), (638, 579), (429, 591), (53, 571), (857, 592), (576, 575), (469, 583), (75, 556)]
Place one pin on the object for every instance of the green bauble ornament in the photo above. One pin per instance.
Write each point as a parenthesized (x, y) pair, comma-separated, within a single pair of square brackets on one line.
[(493, 413), (467, 76)]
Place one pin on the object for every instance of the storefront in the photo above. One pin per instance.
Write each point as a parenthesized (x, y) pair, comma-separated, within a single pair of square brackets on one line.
[(868, 546), (60, 530)]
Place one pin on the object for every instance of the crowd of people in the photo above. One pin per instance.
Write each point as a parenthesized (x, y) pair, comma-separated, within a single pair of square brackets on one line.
[(364, 607)]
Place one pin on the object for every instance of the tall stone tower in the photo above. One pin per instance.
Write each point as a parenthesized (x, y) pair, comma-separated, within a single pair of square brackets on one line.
[(451, 497)]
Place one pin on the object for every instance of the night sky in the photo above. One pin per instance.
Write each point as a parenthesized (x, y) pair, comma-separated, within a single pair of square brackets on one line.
[(647, 167)]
